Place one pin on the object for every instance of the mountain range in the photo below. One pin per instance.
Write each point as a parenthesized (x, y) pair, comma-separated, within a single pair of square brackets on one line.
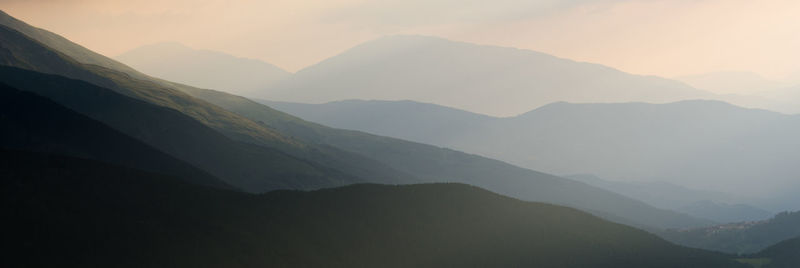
[(106, 166), (261, 149)]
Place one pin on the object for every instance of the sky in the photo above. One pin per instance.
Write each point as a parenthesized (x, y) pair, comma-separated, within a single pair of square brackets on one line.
[(667, 38)]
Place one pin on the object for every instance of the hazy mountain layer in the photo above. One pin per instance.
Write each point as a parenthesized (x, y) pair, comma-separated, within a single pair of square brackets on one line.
[(716, 206), (744, 237), (433, 164), (70, 212), (698, 144), (484, 79), (203, 68)]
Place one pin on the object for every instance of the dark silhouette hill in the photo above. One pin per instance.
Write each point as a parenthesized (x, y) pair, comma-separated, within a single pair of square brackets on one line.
[(785, 254), (70, 212)]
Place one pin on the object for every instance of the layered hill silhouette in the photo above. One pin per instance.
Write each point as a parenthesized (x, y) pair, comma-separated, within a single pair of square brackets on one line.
[(484, 79), (698, 144), (717, 206), (88, 213), (203, 68), (263, 149)]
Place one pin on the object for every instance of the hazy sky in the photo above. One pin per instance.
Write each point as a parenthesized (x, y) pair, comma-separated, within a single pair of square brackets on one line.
[(659, 37)]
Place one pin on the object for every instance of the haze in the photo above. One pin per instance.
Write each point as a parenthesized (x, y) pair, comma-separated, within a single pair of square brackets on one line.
[(664, 38)]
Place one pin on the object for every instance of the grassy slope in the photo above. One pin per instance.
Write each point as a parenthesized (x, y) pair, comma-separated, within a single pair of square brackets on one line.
[(71, 212), (31, 122), (246, 166)]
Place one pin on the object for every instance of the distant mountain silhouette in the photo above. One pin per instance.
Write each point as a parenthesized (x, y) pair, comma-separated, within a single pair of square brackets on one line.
[(203, 68), (743, 237), (717, 206), (484, 79), (81, 213), (698, 144)]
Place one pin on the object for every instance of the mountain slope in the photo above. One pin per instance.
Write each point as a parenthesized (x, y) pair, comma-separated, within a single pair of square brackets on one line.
[(290, 157), (697, 144), (33, 123), (483, 79), (408, 120), (203, 68), (67, 47), (247, 166), (60, 218)]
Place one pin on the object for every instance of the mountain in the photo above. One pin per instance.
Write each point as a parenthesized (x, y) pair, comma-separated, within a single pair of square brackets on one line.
[(716, 206), (81, 213), (33, 123), (203, 68), (263, 149), (785, 254), (697, 144), (484, 79), (740, 238)]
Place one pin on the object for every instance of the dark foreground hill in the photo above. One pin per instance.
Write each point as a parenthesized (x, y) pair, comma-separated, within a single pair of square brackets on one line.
[(80, 213), (785, 254)]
